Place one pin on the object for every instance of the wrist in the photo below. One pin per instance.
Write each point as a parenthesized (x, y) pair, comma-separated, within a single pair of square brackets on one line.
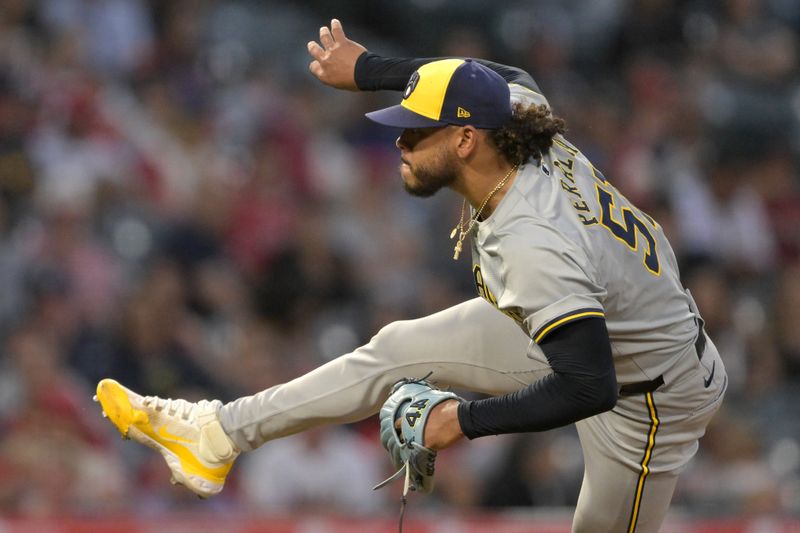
[(443, 428)]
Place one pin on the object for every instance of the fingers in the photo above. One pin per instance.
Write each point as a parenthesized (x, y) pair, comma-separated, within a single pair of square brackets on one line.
[(326, 38), (337, 31), (316, 69), (316, 51)]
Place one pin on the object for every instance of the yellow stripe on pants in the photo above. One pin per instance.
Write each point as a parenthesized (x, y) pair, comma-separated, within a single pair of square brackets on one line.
[(648, 454)]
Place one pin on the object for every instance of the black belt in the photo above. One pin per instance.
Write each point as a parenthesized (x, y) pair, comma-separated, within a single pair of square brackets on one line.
[(643, 387), (700, 342)]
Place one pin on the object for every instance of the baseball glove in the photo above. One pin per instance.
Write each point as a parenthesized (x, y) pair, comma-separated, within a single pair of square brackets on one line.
[(403, 418)]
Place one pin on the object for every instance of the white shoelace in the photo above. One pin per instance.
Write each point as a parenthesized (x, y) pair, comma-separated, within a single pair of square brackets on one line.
[(172, 407)]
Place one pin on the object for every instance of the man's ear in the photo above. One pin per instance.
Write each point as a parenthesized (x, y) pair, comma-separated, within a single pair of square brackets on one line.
[(466, 141)]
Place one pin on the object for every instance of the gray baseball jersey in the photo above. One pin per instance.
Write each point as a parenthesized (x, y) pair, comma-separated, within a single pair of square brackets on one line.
[(564, 244)]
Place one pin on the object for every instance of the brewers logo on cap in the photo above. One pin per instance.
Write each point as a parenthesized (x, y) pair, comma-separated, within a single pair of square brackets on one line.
[(412, 84), (450, 91)]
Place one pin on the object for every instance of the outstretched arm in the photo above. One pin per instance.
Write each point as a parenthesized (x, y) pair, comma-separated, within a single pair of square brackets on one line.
[(374, 73), (345, 64), (583, 384)]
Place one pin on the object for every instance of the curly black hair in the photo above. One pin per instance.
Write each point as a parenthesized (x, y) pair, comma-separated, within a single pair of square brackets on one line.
[(528, 134)]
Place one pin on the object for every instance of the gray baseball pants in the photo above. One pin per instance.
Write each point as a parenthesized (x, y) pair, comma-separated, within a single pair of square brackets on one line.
[(633, 453)]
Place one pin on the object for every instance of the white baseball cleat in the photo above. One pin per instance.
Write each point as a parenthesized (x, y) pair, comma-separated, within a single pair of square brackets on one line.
[(188, 435)]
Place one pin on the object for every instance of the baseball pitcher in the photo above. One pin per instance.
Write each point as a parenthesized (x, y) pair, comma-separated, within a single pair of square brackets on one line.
[(580, 315)]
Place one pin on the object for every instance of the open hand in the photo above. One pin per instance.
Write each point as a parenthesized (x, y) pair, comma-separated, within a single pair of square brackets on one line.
[(335, 57)]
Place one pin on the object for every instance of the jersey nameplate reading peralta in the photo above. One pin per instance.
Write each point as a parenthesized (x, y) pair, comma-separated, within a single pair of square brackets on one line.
[(629, 225), (485, 292), (570, 186)]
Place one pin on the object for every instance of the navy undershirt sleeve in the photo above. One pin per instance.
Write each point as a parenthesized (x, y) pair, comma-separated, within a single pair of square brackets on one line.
[(583, 384), (374, 73)]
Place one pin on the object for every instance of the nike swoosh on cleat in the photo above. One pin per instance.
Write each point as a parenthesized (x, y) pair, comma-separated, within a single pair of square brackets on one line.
[(706, 382), (166, 435)]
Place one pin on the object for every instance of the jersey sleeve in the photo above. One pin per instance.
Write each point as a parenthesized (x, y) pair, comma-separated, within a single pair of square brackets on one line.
[(521, 94), (548, 281), (374, 72)]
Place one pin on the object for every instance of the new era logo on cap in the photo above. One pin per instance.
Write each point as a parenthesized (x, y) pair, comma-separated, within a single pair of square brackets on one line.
[(450, 91)]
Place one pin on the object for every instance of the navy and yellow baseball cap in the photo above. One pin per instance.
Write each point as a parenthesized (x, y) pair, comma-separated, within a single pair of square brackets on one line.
[(450, 91)]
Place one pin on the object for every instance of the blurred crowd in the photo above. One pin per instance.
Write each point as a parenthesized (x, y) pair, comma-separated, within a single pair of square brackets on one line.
[(185, 209)]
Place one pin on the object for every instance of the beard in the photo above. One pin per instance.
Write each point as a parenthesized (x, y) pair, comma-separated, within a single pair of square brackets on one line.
[(430, 178)]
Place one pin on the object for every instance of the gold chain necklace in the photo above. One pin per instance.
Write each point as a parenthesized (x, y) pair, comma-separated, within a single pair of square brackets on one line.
[(462, 228)]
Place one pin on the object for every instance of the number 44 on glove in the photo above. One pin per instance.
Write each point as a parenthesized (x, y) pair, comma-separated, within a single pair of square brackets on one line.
[(403, 418)]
